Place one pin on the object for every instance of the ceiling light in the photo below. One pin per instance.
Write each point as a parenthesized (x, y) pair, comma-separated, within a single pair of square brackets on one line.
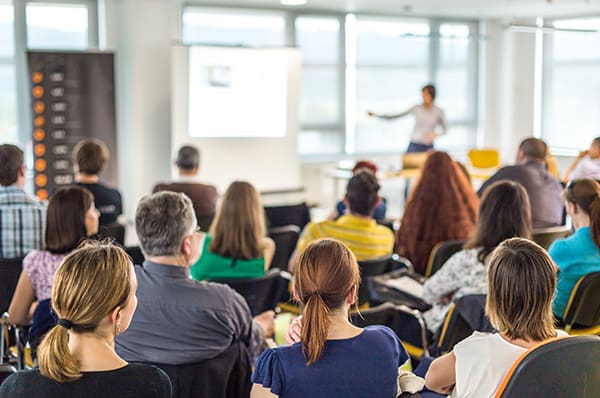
[(293, 2)]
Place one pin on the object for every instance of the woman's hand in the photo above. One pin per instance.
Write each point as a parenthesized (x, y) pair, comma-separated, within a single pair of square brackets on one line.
[(294, 331)]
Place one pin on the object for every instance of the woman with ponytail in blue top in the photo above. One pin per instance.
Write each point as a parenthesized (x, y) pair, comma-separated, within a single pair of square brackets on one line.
[(579, 254)]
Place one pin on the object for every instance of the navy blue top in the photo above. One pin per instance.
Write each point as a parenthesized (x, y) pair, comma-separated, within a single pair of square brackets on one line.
[(359, 367), (378, 212)]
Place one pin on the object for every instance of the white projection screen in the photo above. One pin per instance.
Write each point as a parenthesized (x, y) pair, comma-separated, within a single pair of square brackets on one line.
[(237, 92)]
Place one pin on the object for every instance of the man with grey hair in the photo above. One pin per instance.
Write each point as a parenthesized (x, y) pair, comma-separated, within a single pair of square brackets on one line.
[(203, 196), (179, 320)]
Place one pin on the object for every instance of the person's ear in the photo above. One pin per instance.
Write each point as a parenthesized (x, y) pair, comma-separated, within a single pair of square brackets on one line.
[(22, 171), (352, 296), (295, 294), (573, 207), (345, 201), (186, 246), (115, 315)]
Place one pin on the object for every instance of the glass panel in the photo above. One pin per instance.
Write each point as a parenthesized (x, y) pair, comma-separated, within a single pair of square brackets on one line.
[(233, 27), (458, 138), (453, 93), (320, 142), (57, 26), (575, 46), (319, 95), (387, 91), (318, 38), (8, 106), (7, 37), (571, 111), (454, 44), (384, 41)]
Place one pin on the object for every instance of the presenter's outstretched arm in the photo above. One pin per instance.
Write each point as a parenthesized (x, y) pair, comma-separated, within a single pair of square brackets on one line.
[(392, 116)]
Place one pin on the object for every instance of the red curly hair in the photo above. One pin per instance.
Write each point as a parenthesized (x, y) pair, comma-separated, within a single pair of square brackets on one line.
[(443, 206)]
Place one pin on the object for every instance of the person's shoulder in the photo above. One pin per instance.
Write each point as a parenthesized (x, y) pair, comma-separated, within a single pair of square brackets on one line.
[(380, 331), (383, 230), (148, 373), (25, 378), (477, 339)]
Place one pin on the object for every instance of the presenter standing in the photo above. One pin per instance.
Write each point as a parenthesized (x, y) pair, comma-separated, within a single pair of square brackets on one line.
[(427, 118)]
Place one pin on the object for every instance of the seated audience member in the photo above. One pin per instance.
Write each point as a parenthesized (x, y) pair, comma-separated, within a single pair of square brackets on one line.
[(180, 320), (357, 228), (236, 246), (503, 213), (21, 216), (94, 298), (71, 217), (89, 159), (578, 254), (521, 283), (380, 209), (203, 196), (442, 207), (543, 189), (587, 163), (334, 357)]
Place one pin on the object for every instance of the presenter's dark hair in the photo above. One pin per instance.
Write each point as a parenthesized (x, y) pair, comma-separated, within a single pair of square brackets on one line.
[(430, 88), (11, 160), (90, 156), (361, 193), (65, 219), (188, 157), (504, 213)]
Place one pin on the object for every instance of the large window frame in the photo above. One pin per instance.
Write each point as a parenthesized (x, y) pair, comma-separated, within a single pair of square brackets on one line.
[(19, 59)]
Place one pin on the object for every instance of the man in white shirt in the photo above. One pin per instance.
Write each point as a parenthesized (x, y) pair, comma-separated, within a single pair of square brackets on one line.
[(587, 163)]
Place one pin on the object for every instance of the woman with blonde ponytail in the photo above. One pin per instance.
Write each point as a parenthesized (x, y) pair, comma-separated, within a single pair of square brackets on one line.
[(93, 296), (334, 357), (578, 254)]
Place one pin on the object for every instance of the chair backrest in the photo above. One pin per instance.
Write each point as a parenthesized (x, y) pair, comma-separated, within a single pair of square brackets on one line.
[(225, 376), (115, 231), (280, 216), (368, 269), (10, 270), (6, 370), (484, 158), (583, 308), (464, 316), (564, 367), (264, 293), (384, 314), (440, 254), (285, 239), (204, 222), (545, 236), (135, 252)]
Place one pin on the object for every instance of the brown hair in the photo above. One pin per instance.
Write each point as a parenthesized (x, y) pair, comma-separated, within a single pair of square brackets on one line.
[(90, 156), (585, 193), (188, 157), (534, 148), (89, 284), (430, 88), (65, 219), (239, 228), (11, 161), (521, 286), (504, 212), (442, 207), (364, 165), (361, 193), (327, 272)]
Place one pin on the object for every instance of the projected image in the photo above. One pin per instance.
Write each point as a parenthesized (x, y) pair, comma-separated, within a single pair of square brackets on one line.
[(216, 76), (237, 92)]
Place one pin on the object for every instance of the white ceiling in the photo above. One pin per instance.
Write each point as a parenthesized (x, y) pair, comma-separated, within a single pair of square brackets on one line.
[(451, 8)]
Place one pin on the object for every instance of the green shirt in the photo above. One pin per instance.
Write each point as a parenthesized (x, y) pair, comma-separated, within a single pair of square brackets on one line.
[(212, 266)]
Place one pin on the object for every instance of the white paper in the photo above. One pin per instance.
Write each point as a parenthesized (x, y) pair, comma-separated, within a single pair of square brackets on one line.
[(406, 284)]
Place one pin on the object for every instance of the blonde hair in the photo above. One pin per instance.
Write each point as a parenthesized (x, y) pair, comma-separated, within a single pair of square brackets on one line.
[(327, 272), (521, 286), (90, 283), (238, 230)]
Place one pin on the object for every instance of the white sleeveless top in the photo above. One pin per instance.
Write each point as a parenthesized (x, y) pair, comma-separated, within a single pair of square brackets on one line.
[(482, 362)]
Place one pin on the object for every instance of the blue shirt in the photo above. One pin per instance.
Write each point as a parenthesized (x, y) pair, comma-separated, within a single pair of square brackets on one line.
[(359, 367), (575, 256), (378, 212)]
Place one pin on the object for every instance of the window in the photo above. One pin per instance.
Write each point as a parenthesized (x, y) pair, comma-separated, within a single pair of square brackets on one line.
[(215, 26), (320, 107), (56, 25), (8, 98), (571, 84)]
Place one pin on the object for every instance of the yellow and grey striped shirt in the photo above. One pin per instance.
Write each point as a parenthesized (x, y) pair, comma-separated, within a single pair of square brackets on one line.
[(366, 238)]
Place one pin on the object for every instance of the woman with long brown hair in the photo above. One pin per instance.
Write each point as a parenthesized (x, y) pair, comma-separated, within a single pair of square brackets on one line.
[(579, 254), (504, 213), (94, 299), (443, 206), (334, 357), (236, 245)]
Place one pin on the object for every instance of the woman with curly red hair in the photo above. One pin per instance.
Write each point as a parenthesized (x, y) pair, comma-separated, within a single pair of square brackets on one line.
[(442, 207)]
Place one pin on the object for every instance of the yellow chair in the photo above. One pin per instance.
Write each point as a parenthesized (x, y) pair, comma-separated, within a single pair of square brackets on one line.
[(582, 315), (484, 158), (552, 166)]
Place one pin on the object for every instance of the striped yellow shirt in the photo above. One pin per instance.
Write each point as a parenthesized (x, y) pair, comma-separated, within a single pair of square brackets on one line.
[(366, 238)]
